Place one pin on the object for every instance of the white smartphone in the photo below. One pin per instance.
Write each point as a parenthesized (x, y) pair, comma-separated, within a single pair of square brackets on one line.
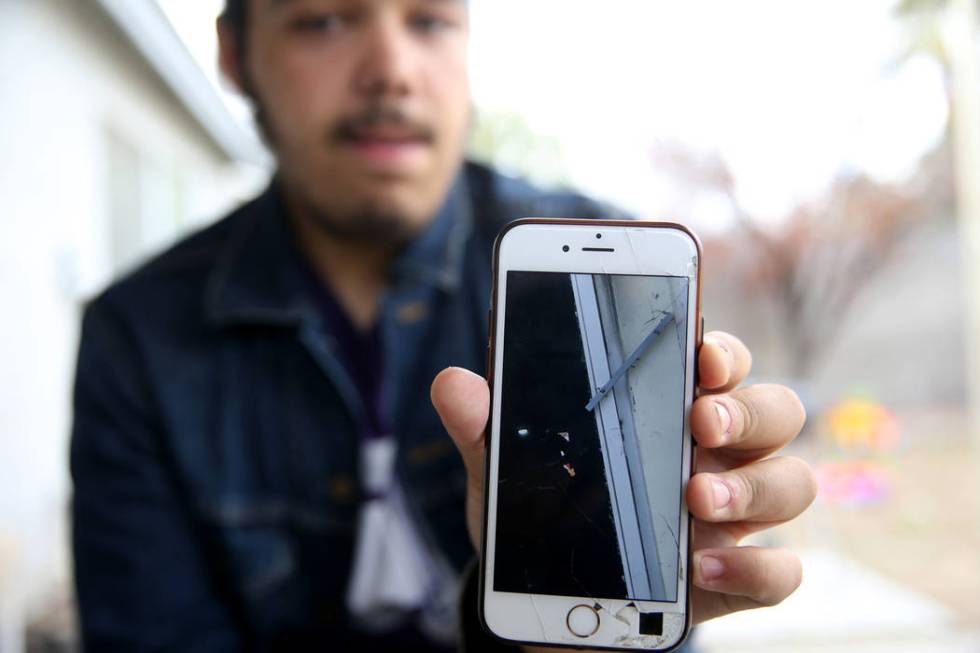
[(594, 329)]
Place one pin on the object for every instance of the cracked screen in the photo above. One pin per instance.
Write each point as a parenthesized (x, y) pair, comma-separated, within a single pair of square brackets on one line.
[(591, 435)]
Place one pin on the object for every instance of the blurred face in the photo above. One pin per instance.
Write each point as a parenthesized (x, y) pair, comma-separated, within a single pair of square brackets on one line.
[(366, 104)]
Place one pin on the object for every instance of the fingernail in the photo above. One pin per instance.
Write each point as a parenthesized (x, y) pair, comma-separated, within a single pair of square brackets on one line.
[(711, 568), (722, 494), (711, 340), (725, 418)]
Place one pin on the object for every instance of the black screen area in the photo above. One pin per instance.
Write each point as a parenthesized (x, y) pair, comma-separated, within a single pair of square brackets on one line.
[(591, 435)]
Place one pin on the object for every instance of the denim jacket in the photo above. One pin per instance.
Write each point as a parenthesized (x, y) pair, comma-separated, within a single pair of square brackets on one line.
[(214, 447)]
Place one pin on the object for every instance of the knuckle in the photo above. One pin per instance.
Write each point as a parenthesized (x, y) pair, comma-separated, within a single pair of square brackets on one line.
[(789, 401), (770, 593), (802, 472), (759, 575), (751, 415), (797, 580), (758, 495), (774, 408), (770, 600), (744, 353), (720, 337), (733, 603), (783, 575), (746, 491), (793, 399), (739, 354), (793, 576)]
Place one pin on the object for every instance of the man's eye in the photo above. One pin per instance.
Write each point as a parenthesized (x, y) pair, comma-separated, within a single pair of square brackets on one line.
[(429, 24), (315, 24)]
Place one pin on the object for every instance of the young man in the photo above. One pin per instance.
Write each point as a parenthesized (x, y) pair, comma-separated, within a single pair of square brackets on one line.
[(257, 464)]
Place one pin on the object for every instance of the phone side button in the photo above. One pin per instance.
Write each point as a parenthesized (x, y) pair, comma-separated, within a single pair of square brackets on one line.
[(582, 620)]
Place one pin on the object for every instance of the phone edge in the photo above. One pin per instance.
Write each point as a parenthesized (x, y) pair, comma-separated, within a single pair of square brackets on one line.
[(491, 349)]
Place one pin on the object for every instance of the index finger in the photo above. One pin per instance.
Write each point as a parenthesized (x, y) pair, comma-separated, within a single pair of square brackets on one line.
[(748, 423), (723, 362)]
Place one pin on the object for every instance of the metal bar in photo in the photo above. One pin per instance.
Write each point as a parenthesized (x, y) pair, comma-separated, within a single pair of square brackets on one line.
[(619, 382), (630, 361), (631, 529)]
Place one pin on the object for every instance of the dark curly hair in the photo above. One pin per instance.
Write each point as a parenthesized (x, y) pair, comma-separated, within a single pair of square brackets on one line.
[(235, 15)]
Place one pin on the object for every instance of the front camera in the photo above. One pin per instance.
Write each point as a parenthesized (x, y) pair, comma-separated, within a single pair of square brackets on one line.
[(598, 235), (564, 248)]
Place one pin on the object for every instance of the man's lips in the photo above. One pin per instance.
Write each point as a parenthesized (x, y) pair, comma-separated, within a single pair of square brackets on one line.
[(396, 133), (387, 147)]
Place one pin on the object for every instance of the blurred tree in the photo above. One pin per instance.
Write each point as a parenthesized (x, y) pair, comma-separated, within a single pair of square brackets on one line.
[(947, 31), (812, 264), (818, 261)]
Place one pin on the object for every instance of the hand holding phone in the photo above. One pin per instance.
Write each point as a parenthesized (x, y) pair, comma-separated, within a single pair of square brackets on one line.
[(749, 577)]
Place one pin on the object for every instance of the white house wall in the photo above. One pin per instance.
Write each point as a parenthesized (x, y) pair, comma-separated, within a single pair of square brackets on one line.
[(69, 84)]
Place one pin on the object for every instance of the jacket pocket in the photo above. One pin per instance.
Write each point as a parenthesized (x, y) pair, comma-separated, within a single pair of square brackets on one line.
[(264, 540)]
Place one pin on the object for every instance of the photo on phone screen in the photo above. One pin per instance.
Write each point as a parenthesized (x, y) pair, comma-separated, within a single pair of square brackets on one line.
[(591, 435)]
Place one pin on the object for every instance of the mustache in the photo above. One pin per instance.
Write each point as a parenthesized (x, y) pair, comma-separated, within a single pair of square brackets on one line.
[(353, 126)]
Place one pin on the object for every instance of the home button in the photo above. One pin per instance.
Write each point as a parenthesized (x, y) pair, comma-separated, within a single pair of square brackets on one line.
[(582, 620)]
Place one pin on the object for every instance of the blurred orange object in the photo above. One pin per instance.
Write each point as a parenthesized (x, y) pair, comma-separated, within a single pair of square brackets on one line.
[(859, 423)]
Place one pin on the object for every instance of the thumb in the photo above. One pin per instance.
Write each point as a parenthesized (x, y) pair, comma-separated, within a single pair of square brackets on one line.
[(462, 400)]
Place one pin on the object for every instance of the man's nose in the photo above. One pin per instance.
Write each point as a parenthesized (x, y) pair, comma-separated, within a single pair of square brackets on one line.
[(387, 61)]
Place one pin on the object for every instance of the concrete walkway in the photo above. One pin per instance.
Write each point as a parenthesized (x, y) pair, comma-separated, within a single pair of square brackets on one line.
[(842, 606)]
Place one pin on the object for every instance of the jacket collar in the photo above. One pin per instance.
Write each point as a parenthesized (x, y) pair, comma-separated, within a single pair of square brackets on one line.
[(435, 257), (257, 278)]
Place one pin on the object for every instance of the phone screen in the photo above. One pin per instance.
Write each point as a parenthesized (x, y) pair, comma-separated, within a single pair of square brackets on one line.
[(591, 435)]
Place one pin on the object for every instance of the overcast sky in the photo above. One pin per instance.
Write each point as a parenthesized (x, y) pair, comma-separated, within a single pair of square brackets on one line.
[(788, 93)]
